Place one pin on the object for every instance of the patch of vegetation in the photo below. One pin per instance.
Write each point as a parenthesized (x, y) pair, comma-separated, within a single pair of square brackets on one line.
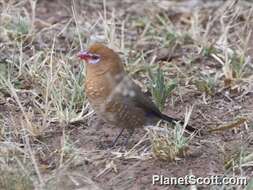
[(160, 89), (15, 180)]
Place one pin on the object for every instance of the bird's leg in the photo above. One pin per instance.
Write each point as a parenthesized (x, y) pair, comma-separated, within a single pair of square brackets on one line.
[(131, 132), (116, 139)]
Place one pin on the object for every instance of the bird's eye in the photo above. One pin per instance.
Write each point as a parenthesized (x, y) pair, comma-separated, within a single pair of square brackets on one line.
[(94, 59)]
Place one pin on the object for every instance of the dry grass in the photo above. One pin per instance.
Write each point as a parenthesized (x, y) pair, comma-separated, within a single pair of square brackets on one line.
[(206, 53)]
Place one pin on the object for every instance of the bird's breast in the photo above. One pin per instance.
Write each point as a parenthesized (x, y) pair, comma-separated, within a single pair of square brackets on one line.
[(112, 102), (97, 89)]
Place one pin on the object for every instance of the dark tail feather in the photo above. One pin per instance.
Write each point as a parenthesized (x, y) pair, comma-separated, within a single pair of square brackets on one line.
[(171, 120)]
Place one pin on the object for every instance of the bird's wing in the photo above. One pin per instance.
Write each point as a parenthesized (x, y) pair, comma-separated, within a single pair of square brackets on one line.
[(137, 98), (144, 102)]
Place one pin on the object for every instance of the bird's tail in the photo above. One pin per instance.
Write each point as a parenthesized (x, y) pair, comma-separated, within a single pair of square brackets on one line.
[(172, 120)]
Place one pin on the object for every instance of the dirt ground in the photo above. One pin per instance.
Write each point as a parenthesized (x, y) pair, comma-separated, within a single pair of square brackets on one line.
[(88, 162)]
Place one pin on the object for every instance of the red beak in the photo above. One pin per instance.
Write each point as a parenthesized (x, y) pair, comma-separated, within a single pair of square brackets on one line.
[(84, 55)]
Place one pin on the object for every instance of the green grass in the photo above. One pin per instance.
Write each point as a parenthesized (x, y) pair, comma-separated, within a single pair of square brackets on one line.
[(160, 88)]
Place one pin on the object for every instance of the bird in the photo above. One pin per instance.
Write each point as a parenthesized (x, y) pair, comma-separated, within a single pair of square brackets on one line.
[(114, 96)]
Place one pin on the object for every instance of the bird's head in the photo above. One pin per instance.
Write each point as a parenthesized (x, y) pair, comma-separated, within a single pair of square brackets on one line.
[(100, 58)]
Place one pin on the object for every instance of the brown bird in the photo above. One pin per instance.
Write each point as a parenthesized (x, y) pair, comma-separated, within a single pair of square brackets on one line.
[(114, 96)]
